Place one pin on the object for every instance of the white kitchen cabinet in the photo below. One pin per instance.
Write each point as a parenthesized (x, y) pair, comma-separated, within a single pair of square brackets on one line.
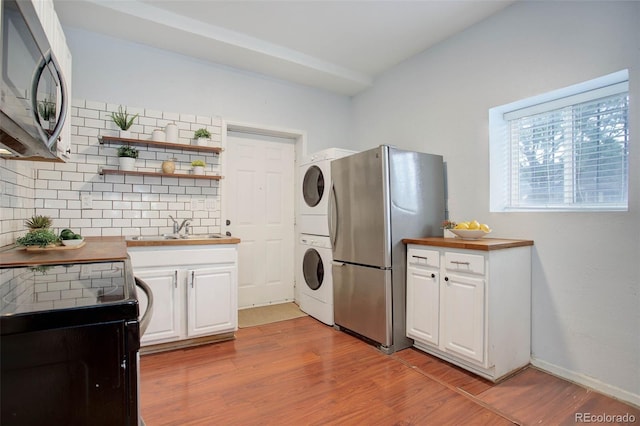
[(195, 296), (165, 324), (423, 295), (471, 306), (463, 314), (211, 300)]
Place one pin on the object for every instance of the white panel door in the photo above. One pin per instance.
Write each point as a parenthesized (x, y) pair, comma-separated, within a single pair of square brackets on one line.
[(259, 194), (165, 324), (211, 301)]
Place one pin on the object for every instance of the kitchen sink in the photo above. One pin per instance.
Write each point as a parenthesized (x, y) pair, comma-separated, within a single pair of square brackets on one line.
[(153, 237), (165, 237), (200, 236)]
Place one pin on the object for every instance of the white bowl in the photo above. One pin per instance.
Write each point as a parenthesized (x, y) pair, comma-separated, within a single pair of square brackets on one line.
[(470, 234), (72, 242)]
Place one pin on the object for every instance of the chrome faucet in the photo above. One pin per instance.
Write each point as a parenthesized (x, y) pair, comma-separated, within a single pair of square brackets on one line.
[(178, 227)]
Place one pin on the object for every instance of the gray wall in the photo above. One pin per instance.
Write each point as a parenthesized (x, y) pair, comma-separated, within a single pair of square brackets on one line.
[(586, 273), (114, 71)]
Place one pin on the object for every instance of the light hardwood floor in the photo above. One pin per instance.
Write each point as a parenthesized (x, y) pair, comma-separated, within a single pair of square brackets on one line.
[(302, 372)]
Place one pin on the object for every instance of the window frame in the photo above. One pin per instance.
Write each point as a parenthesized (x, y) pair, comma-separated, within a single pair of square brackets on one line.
[(500, 143)]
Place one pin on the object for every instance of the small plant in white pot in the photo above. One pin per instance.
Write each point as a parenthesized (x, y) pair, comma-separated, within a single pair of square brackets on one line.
[(198, 167), (202, 137), (127, 156), (124, 123)]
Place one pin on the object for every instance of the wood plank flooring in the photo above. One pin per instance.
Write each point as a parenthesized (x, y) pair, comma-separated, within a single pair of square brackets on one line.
[(302, 372)]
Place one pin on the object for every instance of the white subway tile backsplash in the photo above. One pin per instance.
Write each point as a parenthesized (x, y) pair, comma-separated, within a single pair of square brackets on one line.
[(116, 199), (70, 214), (88, 113), (59, 184), (101, 223), (130, 214), (95, 123)]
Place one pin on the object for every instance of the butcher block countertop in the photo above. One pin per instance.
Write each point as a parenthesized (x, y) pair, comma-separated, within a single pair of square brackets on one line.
[(485, 244), (95, 249)]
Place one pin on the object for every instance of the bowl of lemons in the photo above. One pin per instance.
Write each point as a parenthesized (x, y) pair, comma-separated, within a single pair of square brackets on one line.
[(472, 230)]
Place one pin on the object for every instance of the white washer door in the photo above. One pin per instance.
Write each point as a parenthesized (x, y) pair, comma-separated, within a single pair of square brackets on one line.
[(316, 274), (312, 269)]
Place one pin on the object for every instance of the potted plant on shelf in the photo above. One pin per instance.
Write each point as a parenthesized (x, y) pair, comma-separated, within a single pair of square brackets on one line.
[(127, 157), (198, 167), (124, 123), (202, 137)]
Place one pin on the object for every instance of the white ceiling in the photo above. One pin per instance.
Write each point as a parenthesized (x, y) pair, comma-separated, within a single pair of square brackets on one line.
[(339, 46)]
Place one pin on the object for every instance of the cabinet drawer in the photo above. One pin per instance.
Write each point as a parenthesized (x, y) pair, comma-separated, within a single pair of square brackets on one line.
[(462, 262), (417, 256)]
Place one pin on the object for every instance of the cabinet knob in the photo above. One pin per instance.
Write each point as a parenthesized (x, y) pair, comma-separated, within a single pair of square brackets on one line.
[(433, 275), (446, 278)]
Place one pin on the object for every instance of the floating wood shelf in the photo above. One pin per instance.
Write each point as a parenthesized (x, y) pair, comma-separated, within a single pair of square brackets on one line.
[(167, 145), (158, 174)]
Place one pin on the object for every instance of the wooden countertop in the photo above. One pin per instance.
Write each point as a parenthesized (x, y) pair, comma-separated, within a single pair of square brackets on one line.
[(96, 249), (181, 242), (485, 244)]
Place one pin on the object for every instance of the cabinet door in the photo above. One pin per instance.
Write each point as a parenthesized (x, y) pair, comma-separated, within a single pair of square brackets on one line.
[(212, 301), (423, 304), (463, 316), (165, 324)]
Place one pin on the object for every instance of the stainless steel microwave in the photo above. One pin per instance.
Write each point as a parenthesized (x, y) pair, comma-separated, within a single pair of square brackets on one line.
[(33, 95)]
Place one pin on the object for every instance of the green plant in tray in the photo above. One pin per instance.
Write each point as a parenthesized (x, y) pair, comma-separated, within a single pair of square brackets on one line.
[(38, 237), (198, 163)]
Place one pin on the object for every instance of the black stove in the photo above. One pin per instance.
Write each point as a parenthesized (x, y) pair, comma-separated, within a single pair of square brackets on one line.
[(70, 337)]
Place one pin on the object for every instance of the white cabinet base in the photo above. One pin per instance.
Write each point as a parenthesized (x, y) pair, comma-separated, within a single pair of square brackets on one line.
[(195, 292), (471, 308)]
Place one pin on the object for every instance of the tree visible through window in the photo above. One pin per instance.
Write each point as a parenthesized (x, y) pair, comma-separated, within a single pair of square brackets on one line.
[(573, 155), (567, 153)]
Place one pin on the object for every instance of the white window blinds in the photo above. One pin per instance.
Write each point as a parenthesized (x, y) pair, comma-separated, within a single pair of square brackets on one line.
[(570, 153)]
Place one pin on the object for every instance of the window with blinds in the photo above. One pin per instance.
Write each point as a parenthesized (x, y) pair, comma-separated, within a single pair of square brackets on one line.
[(568, 153)]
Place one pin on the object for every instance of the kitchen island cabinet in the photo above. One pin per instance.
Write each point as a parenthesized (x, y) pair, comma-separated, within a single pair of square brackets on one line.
[(195, 293), (469, 302)]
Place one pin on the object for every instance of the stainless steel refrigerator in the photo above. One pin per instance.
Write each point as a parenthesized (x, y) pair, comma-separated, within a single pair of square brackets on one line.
[(378, 197)]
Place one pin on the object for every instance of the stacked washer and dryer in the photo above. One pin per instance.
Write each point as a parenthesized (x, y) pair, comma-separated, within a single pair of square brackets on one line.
[(314, 246)]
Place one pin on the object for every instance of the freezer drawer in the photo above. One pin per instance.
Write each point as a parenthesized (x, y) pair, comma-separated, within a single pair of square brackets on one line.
[(362, 301)]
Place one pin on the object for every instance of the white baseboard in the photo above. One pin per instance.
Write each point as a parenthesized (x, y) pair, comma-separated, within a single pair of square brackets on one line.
[(587, 381)]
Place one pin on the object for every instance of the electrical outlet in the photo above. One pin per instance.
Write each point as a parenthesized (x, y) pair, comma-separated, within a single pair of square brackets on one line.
[(86, 201), (211, 204)]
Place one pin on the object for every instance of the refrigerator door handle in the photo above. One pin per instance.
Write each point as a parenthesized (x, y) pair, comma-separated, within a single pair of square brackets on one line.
[(332, 215)]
